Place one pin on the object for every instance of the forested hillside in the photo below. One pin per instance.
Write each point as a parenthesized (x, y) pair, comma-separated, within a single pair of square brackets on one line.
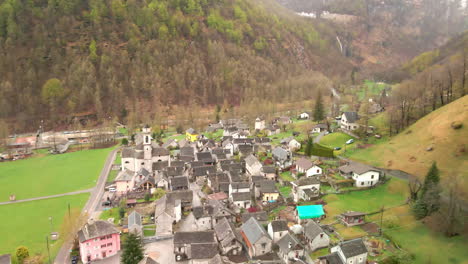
[(433, 79), (120, 58), (385, 34)]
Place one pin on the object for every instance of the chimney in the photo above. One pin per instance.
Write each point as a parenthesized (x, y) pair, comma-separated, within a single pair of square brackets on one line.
[(90, 221), (290, 245)]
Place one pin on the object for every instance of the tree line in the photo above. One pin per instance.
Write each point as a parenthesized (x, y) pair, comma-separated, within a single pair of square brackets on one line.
[(126, 58)]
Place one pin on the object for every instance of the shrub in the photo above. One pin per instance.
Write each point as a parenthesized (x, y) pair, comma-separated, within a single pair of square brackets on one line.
[(121, 212), (22, 253), (456, 125), (147, 197), (124, 141)]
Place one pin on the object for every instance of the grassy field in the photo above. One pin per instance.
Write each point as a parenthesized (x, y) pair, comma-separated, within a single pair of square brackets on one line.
[(398, 223), (370, 88), (392, 193), (28, 223), (51, 174), (430, 247), (336, 139), (407, 151)]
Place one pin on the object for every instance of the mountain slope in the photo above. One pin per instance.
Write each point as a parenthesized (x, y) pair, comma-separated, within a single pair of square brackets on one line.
[(124, 58), (384, 34), (408, 150)]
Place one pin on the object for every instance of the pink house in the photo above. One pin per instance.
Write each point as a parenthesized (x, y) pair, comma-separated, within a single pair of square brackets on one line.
[(98, 240)]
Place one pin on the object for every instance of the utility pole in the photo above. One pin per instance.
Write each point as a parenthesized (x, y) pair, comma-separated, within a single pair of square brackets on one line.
[(69, 214), (48, 249), (381, 220)]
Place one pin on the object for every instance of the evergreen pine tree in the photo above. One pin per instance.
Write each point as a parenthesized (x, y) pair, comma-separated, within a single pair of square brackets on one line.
[(432, 178), (319, 114), (309, 146), (132, 250), (429, 201)]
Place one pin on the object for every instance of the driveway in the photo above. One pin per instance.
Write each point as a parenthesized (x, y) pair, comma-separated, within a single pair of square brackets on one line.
[(319, 137)]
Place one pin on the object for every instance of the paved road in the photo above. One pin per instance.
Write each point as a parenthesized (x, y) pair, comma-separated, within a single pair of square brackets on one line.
[(63, 255), (319, 137), (47, 197)]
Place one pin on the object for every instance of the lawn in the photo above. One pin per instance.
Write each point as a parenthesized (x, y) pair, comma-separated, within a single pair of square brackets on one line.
[(392, 193), (318, 253), (284, 190), (430, 247), (286, 176), (51, 174), (276, 139), (149, 232), (112, 175), (28, 223), (336, 139), (111, 213), (398, 223), (275, 212), (216, 135)]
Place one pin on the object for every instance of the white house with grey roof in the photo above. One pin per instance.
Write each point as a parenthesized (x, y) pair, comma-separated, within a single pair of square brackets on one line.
[(305, 189), (351, 251), (362, 174), (256, 239), (307, 167), (253, 165), (315, 237), (349, 121), (277, 229)]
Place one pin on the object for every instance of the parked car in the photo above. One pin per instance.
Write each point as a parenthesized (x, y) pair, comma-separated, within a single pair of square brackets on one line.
[(74, 259), (112, 189), (106, 203), (351, 141), (337, 148)]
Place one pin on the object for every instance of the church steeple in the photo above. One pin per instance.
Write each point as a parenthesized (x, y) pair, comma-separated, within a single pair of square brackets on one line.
[(147, 142)]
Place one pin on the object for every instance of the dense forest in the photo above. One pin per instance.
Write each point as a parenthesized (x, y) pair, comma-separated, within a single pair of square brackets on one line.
[(123, 58), (385, 34)]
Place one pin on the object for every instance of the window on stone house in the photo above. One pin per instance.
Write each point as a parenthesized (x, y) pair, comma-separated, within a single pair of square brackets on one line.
[(362, 183), (263, 245), (103, 245), (321, 235), (109, 244), (372, 177)]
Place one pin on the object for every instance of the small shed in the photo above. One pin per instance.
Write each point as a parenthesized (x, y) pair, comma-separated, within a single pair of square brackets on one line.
[(131, 202), (309, 212), (352, 218)]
